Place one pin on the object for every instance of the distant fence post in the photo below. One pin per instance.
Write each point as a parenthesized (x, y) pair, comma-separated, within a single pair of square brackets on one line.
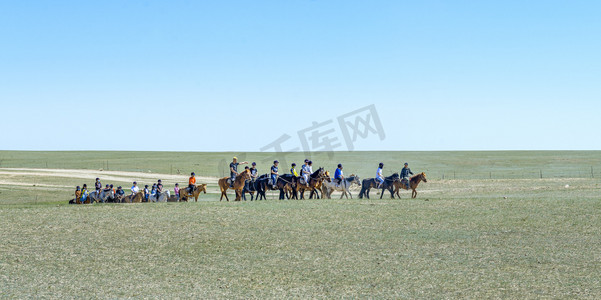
[(592, 172), (541, 174)]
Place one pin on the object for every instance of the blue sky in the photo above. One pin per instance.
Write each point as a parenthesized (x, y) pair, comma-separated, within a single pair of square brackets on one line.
[(236, 75)]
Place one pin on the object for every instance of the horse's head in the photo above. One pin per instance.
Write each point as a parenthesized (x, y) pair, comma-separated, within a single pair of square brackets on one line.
[(327, 173), (202, 188), (245, 175), (422, 175)]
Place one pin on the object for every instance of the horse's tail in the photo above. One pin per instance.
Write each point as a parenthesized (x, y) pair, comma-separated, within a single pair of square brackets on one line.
[(362, 192)]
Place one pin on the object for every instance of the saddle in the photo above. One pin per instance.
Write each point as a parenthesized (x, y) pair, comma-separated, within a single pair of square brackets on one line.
[(404, 183)]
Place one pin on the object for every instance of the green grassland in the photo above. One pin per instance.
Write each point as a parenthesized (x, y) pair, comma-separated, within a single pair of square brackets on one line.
[(492, 228)]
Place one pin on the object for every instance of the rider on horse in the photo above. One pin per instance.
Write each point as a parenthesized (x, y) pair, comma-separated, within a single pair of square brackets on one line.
[(338, 176), (379, 176), (274, 173), (405, 172), (306, 172), (191, 183), (293, 170), (234, 170), (253, 172)]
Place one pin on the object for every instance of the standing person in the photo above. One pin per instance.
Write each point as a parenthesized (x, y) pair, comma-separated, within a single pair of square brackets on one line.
[(159, 189), (405, 172), (379, 176), (293, 170), (176, 190), (338, 175), (98, 186), (146, 193), (253, 172), (134, 190), (234, 169), (77, 194), (191, 183), (274, 173)]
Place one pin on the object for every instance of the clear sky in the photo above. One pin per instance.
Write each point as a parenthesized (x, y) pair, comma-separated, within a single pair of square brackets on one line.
[(236, 75)]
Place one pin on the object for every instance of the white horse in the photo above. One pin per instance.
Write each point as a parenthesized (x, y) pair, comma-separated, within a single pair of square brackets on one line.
[(163, 197), (331, 186), (102, 196)]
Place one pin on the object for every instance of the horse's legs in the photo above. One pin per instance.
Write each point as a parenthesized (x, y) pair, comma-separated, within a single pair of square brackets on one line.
[(414, 194)]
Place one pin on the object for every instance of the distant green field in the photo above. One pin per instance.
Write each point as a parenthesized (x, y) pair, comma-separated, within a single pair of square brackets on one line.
[(492, 228), (453, 165)]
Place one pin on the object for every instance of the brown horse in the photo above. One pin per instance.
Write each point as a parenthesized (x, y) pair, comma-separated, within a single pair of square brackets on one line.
[(238, 185), (135, 199), (184, 194), (315, 180), (413, 183)]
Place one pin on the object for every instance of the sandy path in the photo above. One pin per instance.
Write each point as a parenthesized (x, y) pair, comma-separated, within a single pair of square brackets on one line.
[(105, 176)]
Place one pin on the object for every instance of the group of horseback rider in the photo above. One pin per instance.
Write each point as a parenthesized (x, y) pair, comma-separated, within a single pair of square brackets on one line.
[(82, 193), (405, 175), (306, 171)]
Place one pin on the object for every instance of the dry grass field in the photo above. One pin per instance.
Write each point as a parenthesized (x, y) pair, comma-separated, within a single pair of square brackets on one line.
[(468, 237)]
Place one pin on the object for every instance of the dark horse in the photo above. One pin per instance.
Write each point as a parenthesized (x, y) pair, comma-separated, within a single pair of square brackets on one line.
[(284, 183), (252, 186), (259, 185), (369, 183), (315, 180)]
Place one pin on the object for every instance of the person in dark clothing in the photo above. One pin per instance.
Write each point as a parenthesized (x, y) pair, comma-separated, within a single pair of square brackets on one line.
[(274, 173), (253, 172), (98, 186), (159, 189), (234, 170), (405, 172)]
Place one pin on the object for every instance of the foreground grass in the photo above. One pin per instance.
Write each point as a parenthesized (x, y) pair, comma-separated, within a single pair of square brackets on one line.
[(440, 248)]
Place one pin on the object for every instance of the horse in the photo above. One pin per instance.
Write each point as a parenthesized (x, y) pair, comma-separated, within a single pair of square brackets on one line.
[(103, 196), (314, 183), (413, 183), (137, 198), (369, 183), (161, 197), (343, 187), (184, 194), (285, 183), (238, 185)]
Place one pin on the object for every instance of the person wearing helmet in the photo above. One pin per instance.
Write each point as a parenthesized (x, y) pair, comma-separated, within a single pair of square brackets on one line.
[(253, 172), (234, 169), (119, 193), (98, 186), (274, 173), (134, 190), (293, 170), (146, 193), (77, 194), (159, 189), (176, 190), (84, 193), (338, 175), (405, 172), (379, 176), (191, 183), (305, 172)]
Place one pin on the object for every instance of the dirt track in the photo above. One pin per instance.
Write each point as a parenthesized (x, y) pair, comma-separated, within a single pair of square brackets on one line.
[(104, 175)]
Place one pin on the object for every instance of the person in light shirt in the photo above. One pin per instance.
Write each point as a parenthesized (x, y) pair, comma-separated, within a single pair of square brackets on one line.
[(135, 189), (379, 176)]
